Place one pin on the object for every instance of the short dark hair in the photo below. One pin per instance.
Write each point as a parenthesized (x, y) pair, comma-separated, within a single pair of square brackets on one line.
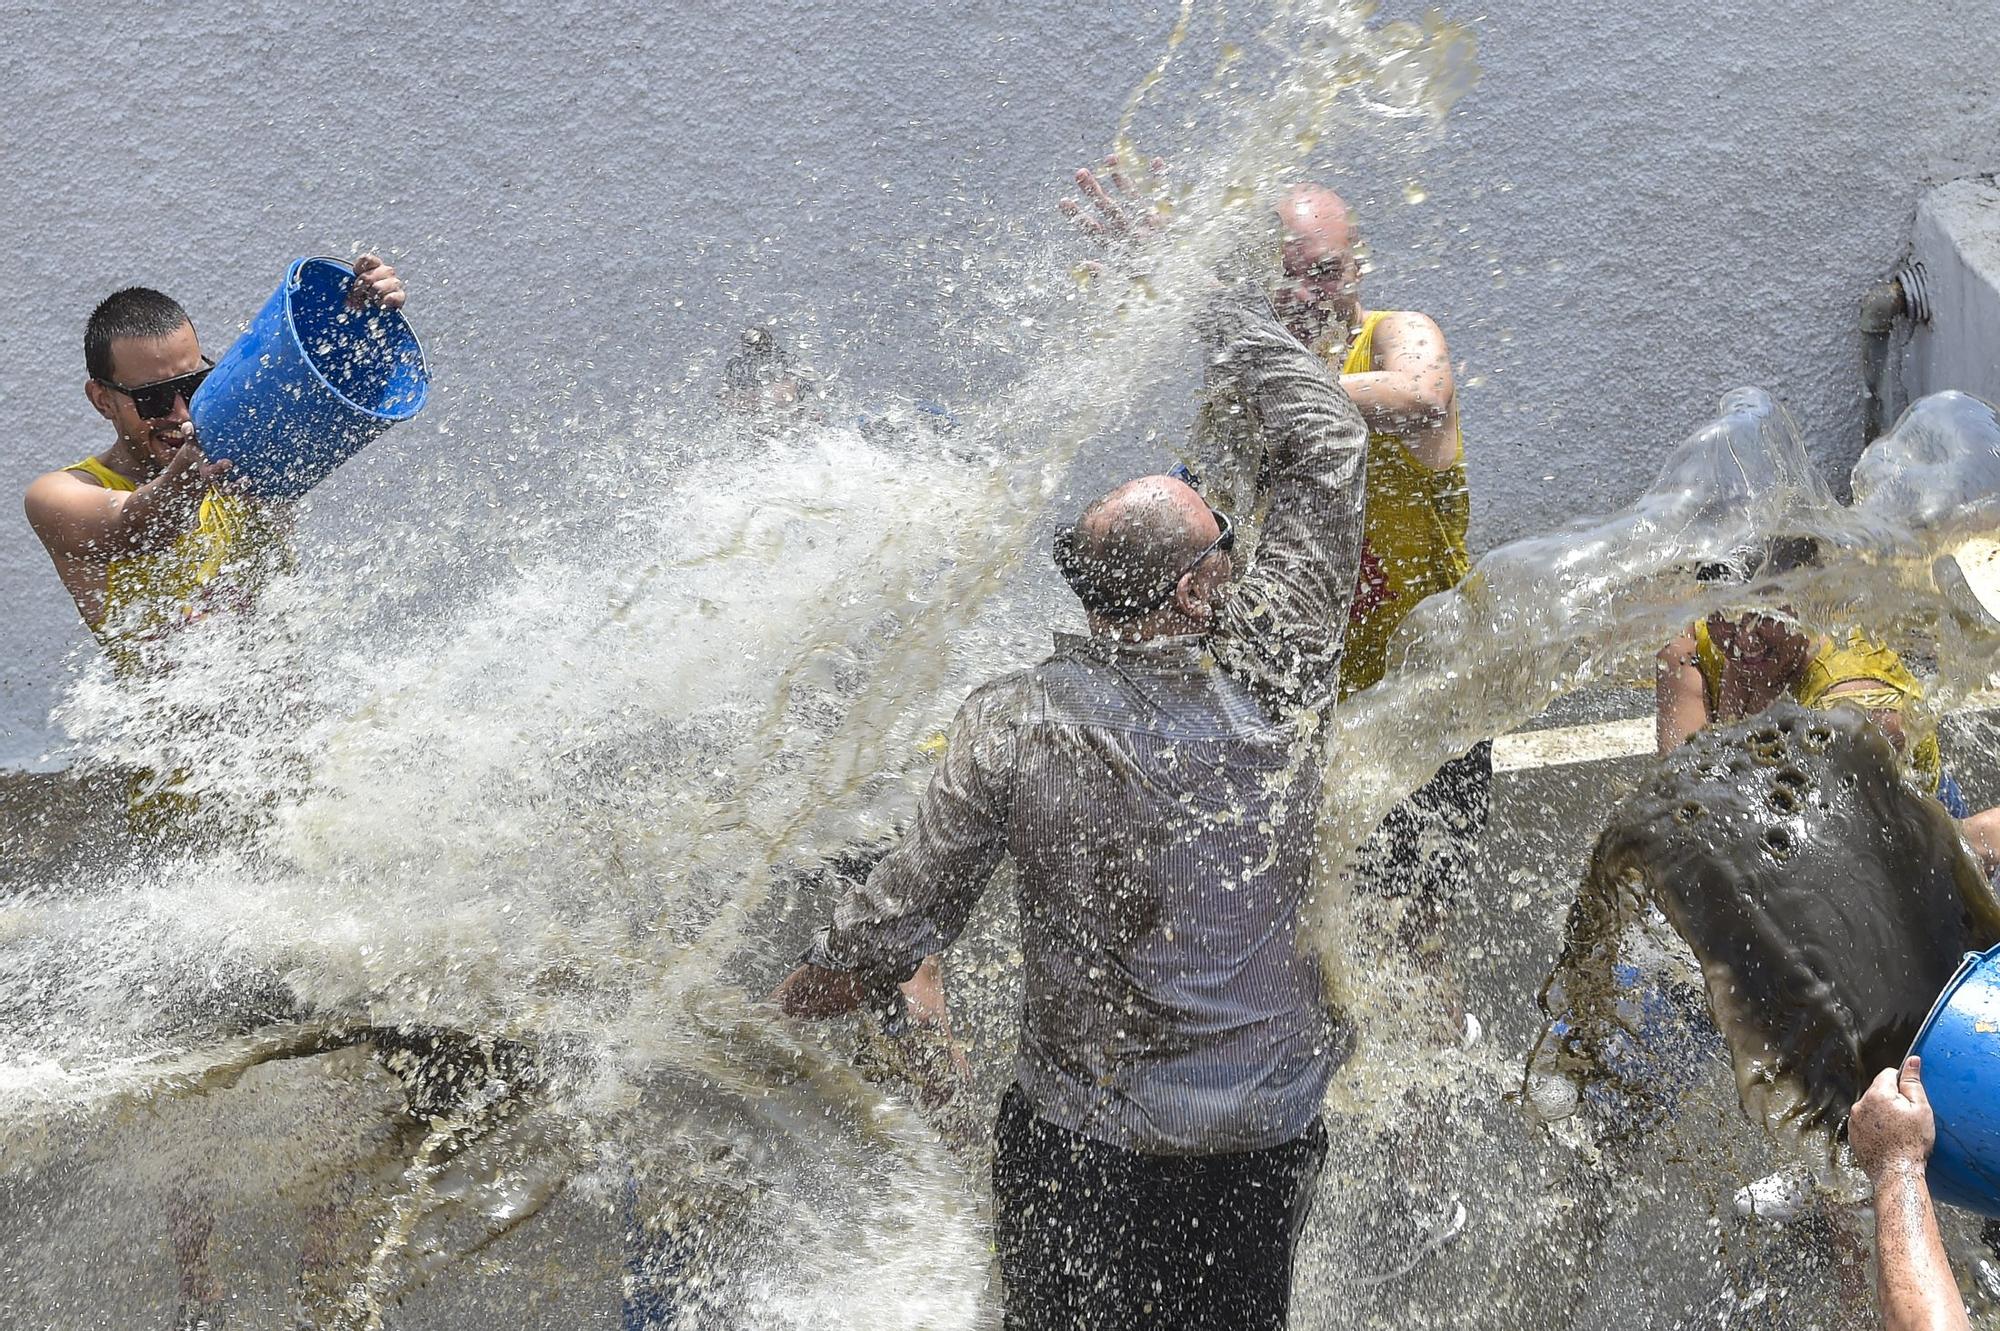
[(133, 312)]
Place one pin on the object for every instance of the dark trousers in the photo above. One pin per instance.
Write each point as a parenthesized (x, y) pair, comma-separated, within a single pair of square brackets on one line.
[(1423, 850), (1094, 1238)]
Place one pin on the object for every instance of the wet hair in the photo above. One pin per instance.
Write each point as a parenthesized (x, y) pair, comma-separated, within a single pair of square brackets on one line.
[(1124, 556), (759, 359), (132, 312), (1780, 554)]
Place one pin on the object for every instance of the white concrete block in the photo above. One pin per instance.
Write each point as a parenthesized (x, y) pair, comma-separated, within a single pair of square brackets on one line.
[(1957, 240)]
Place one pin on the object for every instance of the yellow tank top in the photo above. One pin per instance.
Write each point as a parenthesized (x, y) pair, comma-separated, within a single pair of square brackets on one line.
[(1413, 535), (1861, 658), (144, 594)]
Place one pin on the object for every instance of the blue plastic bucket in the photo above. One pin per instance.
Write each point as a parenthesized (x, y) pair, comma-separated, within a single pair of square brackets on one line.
[(310, 384), (1960, 1047)]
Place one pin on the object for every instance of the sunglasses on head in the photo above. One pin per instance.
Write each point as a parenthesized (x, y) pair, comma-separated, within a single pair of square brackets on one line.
[(155, 401)]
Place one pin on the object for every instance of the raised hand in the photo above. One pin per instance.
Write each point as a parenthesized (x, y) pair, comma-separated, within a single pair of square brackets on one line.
[(1123, 212), (375, 283)]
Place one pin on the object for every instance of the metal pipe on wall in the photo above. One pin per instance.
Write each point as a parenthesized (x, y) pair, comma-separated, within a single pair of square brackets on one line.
[(1902, 294)]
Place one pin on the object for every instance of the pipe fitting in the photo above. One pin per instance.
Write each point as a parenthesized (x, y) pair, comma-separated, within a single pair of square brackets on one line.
[(1911, 278), (1904, 294), (1880, 305)]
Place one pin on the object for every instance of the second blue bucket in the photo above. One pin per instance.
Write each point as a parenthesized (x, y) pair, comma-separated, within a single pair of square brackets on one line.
[(1960, 1047), (310, 384)]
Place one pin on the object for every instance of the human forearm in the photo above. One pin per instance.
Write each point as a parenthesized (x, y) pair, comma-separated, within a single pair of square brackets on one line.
[(916, 900), (912, 907), (1916, 1288), (923, 996), (1285, 618), (1982, 832), (1308, 421), (1392, 400), (166, 507), (154, 516), (1680, 705)]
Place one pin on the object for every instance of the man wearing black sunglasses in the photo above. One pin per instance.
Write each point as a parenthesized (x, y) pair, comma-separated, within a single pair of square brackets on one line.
[(1157, 783), (144, 535)]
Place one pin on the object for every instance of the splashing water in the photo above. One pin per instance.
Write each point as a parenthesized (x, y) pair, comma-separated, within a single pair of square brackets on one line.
[(516, 793), (547, 816), (1590, 605), (528, 782)]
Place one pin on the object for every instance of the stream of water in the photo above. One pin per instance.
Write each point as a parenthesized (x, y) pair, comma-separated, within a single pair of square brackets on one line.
[(514, 798)]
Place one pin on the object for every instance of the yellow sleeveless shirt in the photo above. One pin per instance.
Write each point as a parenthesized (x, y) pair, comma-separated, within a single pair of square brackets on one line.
[(1413, 535), (144, 594), (1862, 658)]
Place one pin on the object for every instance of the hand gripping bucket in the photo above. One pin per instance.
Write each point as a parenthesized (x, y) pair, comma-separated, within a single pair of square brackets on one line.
[(310, 384), (1960, 1047)]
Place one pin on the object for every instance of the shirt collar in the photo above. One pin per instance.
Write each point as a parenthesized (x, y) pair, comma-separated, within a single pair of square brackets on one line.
[(1107, 650)]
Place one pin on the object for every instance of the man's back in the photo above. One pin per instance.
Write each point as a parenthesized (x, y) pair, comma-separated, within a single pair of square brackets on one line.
[(1162, 822), (1159, 795), (1157, 784)]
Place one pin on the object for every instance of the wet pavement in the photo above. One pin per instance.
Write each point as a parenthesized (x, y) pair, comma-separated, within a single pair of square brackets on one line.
[(1556, 1233)]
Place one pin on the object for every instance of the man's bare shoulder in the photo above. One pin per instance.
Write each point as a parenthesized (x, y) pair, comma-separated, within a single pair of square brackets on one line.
[(64, 484), (55, 496), (1401, 326)]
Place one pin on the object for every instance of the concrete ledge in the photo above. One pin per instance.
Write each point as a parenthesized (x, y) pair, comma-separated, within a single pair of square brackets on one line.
[(1957, 240)]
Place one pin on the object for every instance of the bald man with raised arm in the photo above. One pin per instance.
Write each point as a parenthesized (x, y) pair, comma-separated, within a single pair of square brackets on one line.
[(1395, 367), (1156, 783)]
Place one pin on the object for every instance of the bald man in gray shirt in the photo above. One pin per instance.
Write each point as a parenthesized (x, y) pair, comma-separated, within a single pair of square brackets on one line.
[(1157, 783)]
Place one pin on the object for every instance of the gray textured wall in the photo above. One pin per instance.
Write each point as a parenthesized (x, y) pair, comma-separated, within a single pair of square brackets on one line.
[(1637, 207)]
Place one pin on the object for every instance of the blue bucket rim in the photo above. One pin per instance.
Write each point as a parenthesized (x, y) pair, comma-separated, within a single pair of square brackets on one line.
[(292, 280), (1966, 965)]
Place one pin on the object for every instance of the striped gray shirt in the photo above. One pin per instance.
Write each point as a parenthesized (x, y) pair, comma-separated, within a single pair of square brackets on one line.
[(1159, 800)]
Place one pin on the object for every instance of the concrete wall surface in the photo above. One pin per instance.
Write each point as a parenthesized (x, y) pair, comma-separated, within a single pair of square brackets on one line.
[(1636, 208), (1958, 242)]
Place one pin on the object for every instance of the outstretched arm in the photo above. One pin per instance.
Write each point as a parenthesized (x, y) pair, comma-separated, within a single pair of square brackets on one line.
[(1284, 620), (1891, 1132), (917, 899), (79, 519)]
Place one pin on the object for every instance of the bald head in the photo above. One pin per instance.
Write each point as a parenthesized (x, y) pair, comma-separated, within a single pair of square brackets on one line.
[(1315, 213), (1322, 281), (1125, 554)]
